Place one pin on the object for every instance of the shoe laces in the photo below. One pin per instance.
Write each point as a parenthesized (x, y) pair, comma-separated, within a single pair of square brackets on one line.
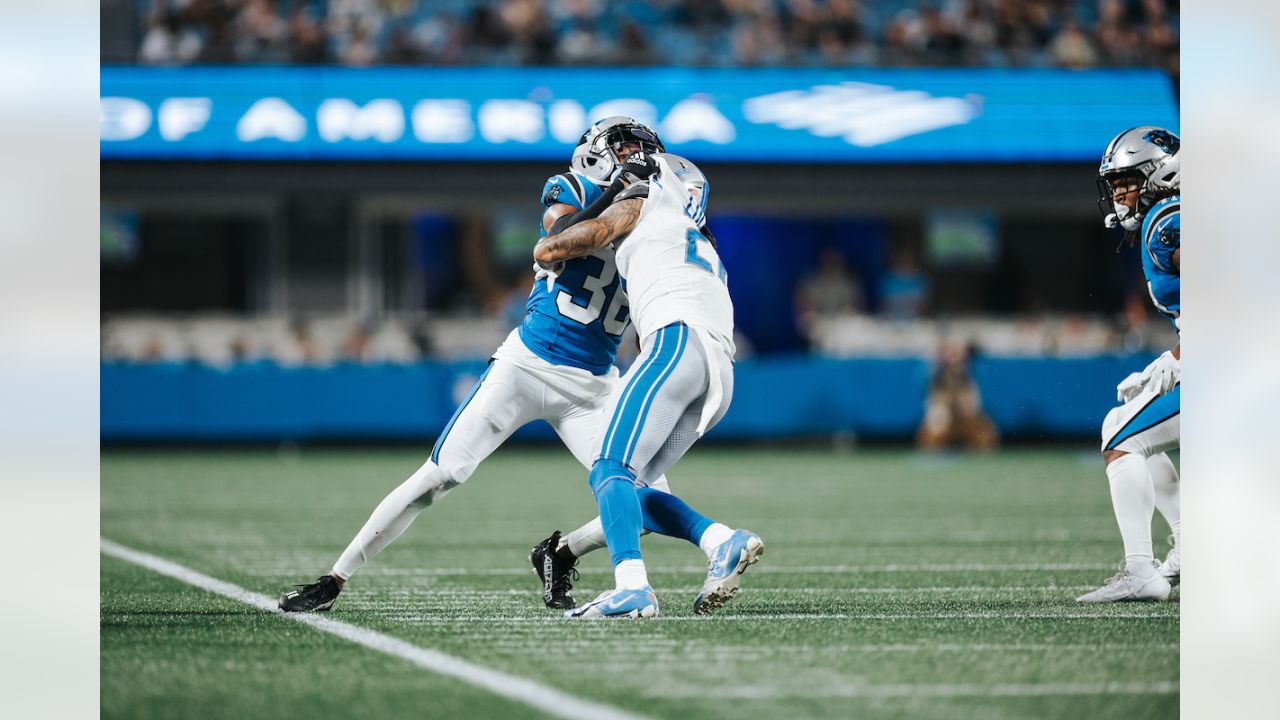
[(563, 581), (1122, 574), (312, 589)]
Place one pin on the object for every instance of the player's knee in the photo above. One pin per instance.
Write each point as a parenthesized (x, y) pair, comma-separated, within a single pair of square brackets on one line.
[(606, 471), (432, 482), (1110, 423), (1110, 426)]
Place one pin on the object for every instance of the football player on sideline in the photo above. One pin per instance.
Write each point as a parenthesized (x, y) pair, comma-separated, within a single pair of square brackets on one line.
[(679, 387), (1139, 191), (556, 366)]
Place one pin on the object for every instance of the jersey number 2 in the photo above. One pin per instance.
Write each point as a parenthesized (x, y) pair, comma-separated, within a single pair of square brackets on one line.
[(692, 257), (613, 324)]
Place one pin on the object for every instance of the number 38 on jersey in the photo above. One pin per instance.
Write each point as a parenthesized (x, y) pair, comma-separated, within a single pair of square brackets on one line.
[(598, 293)]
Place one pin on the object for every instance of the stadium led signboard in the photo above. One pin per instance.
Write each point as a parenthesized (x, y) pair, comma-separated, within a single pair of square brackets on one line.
[(538, 114)]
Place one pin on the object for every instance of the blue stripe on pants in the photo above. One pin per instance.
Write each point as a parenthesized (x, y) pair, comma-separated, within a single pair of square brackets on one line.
[(435, 452), (626, 392), (647, 403), (1157, 411), (632, 409)]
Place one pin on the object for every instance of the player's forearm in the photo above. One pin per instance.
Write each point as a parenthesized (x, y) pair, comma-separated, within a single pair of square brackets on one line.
[(1177, 351), (590, 235), (582, 239), (597, 206)]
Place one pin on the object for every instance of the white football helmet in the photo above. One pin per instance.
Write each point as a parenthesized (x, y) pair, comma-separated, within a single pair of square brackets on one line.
[(596, 155), (1149, 156)]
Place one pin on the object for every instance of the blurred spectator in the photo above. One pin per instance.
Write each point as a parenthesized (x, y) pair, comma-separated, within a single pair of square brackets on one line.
[(167, 41), (833, 290), (440, 38), (261, 33), (1062, 33), (903, 288), (359, 49), (307, 42), (528, 29), (953, 409), (402, 49), (1072, 49)]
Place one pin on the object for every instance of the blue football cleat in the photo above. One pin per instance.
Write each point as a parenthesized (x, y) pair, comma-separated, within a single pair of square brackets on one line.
[(641, 603), (724, 571)]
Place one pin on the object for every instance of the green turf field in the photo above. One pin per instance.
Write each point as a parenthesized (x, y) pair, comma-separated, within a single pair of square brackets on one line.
[(893, 586)]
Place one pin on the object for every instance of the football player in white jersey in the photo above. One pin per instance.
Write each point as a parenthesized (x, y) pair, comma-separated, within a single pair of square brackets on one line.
[(556, 366), (679, 387)]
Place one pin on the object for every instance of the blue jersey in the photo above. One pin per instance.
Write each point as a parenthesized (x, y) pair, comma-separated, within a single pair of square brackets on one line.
[(1161, 237), (579, 320)]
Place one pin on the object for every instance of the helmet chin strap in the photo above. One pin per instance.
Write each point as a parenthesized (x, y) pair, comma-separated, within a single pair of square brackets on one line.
[(1125, 217)]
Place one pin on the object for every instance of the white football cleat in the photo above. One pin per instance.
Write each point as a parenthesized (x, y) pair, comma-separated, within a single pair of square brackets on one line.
[(1171, 568), (1124, 586), (619, 603), (724, 570)]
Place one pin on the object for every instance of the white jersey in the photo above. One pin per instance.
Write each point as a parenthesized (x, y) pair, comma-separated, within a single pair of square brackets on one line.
[(669, 270)]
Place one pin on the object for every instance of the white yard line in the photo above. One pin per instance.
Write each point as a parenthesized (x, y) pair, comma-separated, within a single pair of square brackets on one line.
[(924, 690), (771, 569), (522, 690), (429, 592), (454, 619)]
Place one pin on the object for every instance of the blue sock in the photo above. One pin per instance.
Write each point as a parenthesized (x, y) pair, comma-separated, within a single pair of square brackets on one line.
[(668, 515), (613, 485)]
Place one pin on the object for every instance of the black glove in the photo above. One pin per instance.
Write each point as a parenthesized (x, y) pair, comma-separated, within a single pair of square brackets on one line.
[(639, 166)]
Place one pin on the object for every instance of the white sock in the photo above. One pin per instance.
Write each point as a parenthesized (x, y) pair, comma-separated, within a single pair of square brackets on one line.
[(393, 516), (1164, 479), (630, 575), (587, 538), (715, 535), (1133, 500)]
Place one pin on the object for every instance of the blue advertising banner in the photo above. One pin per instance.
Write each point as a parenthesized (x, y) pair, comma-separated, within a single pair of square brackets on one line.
[(728, 115), (783, 396)]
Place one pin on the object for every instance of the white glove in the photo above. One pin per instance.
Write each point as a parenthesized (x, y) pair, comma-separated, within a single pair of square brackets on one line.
[(1162, 374), (1129, 388)]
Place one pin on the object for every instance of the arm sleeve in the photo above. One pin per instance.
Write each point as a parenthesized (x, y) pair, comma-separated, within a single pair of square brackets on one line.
[(1163, 240)]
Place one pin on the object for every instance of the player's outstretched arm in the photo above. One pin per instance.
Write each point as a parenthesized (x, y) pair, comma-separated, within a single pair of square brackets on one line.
[(590, 235)]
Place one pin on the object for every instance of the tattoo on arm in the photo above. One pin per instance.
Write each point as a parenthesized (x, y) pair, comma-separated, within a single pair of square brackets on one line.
[(590, 235)]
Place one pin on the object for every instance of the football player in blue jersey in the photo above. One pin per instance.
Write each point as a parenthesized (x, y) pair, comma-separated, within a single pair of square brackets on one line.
[(1139, 181), (556, 366)]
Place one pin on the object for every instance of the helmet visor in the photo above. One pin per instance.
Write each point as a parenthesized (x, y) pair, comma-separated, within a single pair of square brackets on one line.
[(638, 136)]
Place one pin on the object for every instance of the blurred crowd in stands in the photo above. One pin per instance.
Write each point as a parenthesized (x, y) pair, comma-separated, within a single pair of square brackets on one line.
[(870, 33), (321, 340)]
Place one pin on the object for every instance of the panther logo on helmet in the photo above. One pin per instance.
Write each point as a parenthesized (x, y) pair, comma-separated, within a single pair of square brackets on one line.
[(1162, 139)]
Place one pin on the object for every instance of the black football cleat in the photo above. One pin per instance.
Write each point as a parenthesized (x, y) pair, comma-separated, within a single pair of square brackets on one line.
[(319, 596), (556, 572)]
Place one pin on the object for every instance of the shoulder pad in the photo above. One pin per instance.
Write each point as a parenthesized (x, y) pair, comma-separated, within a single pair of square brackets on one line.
[(1162, 233), (640, 190), (564, 188)]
